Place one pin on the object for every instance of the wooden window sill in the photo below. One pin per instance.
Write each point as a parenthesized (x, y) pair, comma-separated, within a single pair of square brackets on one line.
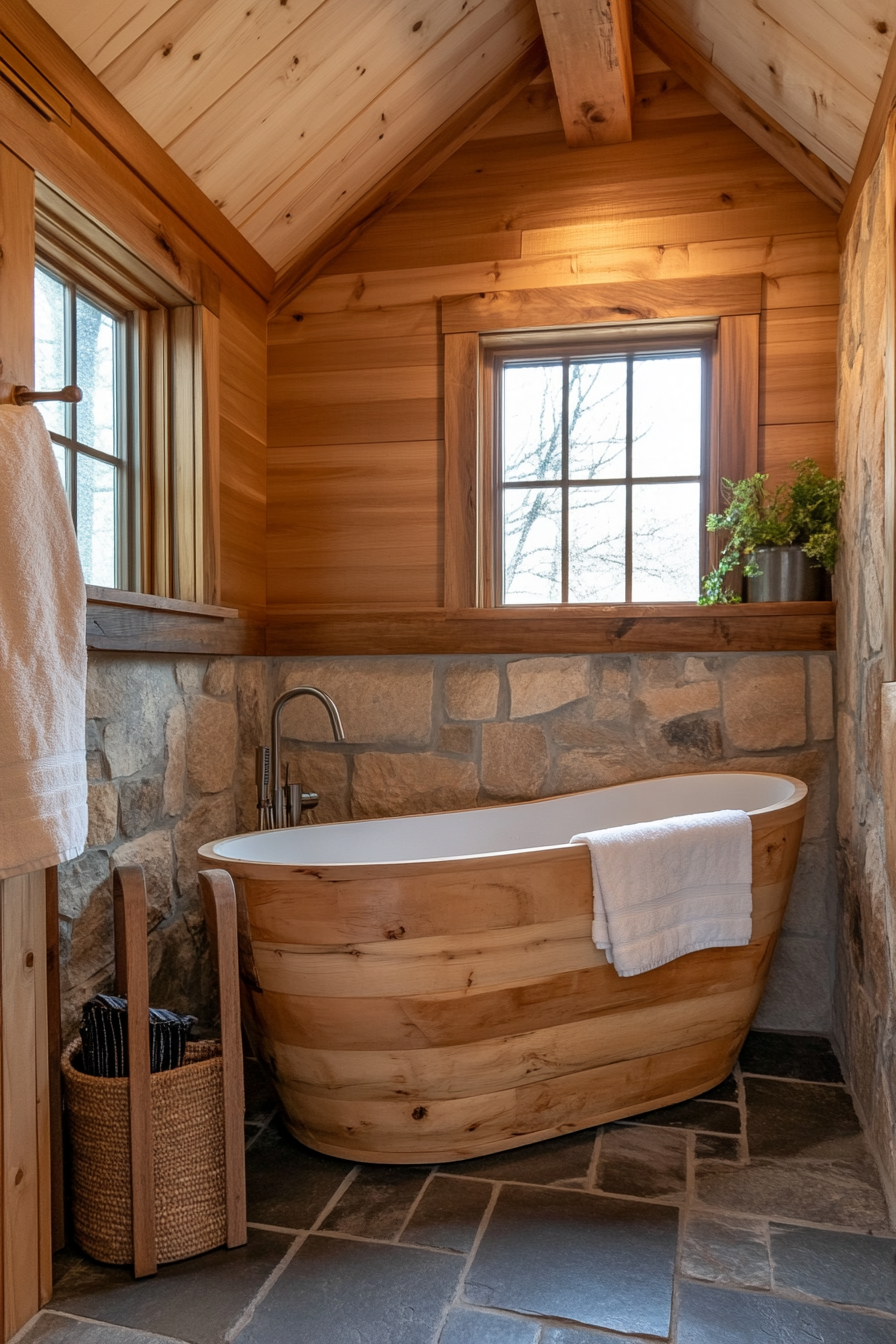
[(663, 628), (121, 597), (126, 622)]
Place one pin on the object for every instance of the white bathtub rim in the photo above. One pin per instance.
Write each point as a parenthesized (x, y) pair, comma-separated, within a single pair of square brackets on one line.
[(270, 868)]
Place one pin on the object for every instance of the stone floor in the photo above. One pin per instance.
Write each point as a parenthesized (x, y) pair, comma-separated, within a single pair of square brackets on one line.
[(752, 1215)]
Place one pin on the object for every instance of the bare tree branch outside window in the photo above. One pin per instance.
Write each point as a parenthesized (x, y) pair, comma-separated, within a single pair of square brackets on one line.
[(602, 462)]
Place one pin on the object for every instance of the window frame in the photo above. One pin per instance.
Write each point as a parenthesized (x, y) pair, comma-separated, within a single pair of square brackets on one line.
[(127, 401), (174, 539), (606, 340), (471, 323)]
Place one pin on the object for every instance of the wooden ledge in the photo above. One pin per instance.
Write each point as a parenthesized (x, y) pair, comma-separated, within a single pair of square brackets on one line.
[(121, 597), (140, 623), (664, 628)]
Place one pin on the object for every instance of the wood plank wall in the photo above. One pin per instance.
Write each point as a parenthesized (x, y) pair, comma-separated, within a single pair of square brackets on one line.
[(79, 164), (355, 417), (243, 448)]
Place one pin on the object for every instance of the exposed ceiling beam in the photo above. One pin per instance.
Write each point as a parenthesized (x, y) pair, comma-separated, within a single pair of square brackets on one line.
[(390, 190), (590, 48), (703, 76), (871, 145)]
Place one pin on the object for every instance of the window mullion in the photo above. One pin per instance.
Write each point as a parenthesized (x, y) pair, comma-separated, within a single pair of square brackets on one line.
[(564, 488), (629, 381)]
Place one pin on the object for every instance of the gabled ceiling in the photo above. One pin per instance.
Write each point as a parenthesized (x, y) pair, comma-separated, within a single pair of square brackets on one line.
[(813, 65), (298, 117)]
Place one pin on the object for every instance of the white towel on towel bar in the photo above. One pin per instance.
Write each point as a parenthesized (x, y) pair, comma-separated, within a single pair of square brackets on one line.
[(666, 888), (43, 655)]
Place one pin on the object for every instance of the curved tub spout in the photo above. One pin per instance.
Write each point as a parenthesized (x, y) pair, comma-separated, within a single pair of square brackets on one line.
[(277, 791)]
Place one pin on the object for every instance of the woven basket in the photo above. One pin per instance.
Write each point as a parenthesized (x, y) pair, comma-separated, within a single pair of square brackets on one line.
[(188, 1157)]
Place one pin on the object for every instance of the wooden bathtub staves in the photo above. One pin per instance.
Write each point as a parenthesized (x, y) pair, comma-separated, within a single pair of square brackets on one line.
[(424, 1012)]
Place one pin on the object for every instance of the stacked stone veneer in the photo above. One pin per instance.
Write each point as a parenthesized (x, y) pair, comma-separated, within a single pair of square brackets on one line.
[(171, 753), (865, 1000), (168, 760)]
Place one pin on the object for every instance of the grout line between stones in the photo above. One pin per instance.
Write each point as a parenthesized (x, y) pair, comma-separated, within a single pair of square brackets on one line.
[(458, 1298), (804, 1082), (852, 1308), (335, 1197), (21, 1336), (684, 1214), (260, 1130), (575, 1189), (249, 1311), (380, 1241), (413, 1209)]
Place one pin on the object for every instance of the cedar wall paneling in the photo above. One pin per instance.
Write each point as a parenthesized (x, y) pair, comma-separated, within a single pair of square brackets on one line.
[(79, 164), (243, 448), (355, 387)]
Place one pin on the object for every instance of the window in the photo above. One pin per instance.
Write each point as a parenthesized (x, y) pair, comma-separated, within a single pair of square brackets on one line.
[(614, 440), (139, 454), (80, 339), (602, 461)]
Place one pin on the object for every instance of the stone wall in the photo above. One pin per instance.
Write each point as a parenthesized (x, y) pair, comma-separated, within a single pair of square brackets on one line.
[(441, 733), (169, 745), (171, 751), (865, 999)]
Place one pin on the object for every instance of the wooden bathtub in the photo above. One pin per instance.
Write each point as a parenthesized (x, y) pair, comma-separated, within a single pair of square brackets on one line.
[(426, 988)]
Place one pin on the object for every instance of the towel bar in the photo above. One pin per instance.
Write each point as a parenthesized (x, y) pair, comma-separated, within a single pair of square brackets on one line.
[(17, 394)]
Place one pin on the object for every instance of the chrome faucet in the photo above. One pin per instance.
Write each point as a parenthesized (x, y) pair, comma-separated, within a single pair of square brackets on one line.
[(281, 804)]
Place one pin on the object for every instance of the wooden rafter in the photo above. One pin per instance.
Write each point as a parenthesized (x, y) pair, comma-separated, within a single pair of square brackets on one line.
[(590, 48), (413, 170), (703, 76)]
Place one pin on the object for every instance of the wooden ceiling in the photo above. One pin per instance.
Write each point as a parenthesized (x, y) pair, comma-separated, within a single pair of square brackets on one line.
[(304, 119)]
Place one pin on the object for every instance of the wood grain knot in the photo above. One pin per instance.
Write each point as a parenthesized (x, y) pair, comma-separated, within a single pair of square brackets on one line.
[(419, 1113), (29, 959)]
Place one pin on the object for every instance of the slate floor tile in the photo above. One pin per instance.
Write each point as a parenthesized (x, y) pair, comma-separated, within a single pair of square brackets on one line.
[(836, 1266), (784, 1055), (715, 1116), (195, 1300), (726, 1090), (288, 1185), (449, 1214), (465, 1326), (644, 1161), (377, 1201), (563, 1159), (582, 1258), (720, 1146), (803, 1120), (847, 1195), (49, 1328), (725, 1316), (726, 1250), (334, 1291)]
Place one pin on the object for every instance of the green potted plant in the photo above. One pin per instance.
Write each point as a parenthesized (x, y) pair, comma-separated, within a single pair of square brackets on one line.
[(784, 541)]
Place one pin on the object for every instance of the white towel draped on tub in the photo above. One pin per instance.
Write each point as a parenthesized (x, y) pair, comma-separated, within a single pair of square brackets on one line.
[(43, 655), (666, 888)]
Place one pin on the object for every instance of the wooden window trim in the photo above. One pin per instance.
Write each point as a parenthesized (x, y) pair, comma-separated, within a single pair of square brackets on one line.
[(466, 319), (177, 484)]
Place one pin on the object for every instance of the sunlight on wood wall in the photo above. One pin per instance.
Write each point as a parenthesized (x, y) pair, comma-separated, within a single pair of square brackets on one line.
[(355, 386)]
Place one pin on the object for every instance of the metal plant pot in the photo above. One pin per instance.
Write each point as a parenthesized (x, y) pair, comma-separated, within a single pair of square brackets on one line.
[(788, 575)]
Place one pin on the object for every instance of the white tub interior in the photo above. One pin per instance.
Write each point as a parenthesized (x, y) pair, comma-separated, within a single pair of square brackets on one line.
[(502, 830)]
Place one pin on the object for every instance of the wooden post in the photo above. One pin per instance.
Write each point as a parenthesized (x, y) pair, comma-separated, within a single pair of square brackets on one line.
[(54, 1059), (219, 901), (132, 982)]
